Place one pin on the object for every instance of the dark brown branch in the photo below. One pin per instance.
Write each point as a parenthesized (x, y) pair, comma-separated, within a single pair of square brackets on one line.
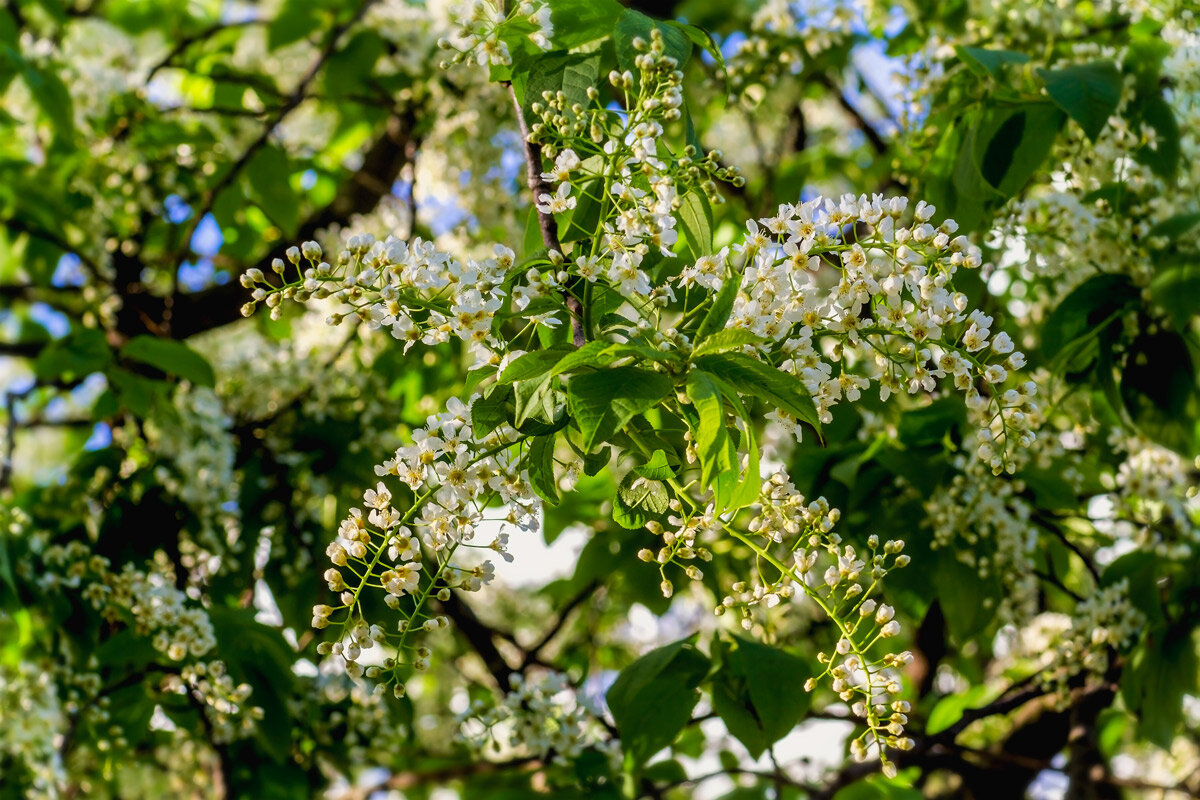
[(533, 651), (878, 143), (187, 41), (538, 187), (480, 637), (46, 236)]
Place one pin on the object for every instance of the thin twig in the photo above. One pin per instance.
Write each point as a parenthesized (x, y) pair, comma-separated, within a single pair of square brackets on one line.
[(549, 228), (297, 97)]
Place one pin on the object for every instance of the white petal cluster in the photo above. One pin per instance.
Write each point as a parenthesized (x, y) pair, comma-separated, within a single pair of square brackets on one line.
[(842, 581), (33, 725), (458, 483), (541, 717), (225, 702), (483, 24), (420, 294), (148, 601), (855, 298)]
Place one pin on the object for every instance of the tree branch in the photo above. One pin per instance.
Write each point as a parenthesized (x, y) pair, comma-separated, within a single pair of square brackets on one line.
[(293, 101), (538, 187)]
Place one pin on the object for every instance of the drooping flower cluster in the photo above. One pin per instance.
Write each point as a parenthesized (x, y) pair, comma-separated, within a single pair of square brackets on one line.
[(198, 454), (892, 316), (484, 25), (418, 293), (844, 591), (32, 730), (1102, 622), (146, 600), (794, 541), (543, 717), (455, 477), (614, 159), (1157, 494), (225, 703)]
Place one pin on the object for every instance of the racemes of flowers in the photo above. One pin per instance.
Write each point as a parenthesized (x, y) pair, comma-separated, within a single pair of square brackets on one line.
[(845, 296), (484, 27), (543, 716), (839, 295), (459, 481), (146, 600), (616, 160), (417, 292), (797, 550)]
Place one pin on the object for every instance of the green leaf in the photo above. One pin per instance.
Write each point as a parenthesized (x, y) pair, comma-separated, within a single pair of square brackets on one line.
[(1087, 306), (491, 410), (1018, 142), (758, 692), (652, 699), (725, 340), (135, 392), (570, 73), (722, 307), (533, 364), (585, 218), (696, 220), (1161, 671), (1176, 287), (52, 97), (967, 600), (713, 447), (81, 352), (600, 354), (268, 174), (295, 20), (1159, 389), (634, 24), (1163, 158), (1174, 227), (704, 40), (578, 22), (1089, 93), (639, 500), (752, 377), (348, 69), (172, 357), (540, 464), (657, 468), (950, 709), (988, 63), (602, 402)]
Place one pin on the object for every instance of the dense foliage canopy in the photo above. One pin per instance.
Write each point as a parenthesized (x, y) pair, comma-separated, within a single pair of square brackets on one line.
[(872, 327)]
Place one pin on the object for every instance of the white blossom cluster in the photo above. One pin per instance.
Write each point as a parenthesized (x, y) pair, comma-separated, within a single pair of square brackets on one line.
[(418, 293), (32, 730), (977, 514), (796, 538), (618, 156), (784, 34), (484, 23), (454, 477), (544, 717), (1102, 623), (225, 702), (1156, 491), (148, 601), (1077, 227), (893, 315), (199, 453)]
